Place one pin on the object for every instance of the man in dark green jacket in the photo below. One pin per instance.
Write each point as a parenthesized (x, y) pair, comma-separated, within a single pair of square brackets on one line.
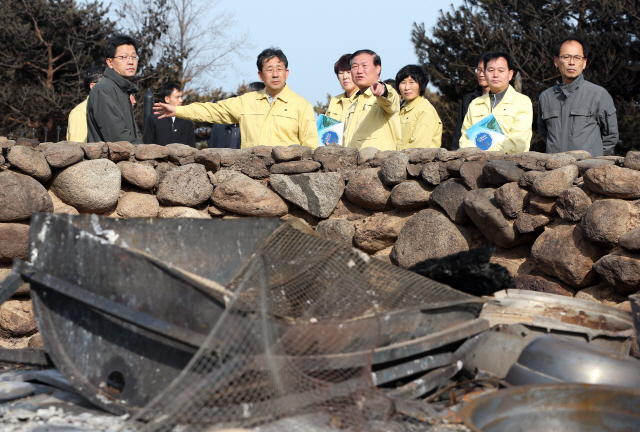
[(109, 111)]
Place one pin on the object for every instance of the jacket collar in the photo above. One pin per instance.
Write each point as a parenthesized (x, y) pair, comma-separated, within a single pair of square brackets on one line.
[(124, 84), (414, 103), (570, 88), (285, 94), (510, 92)]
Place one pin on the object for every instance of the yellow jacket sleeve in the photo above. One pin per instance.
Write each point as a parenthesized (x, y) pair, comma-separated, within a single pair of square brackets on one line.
[(227, 111), (391, 103), (308, 131), (466, 124), (77, 127)]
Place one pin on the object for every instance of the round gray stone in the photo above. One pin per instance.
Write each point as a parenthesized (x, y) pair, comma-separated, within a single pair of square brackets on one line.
[(30, 162), (141, 175), (605, 221), (20, 196), (90, 186), (411, 195), (553, 183), (613, 181), (186, 186), (63, 155)]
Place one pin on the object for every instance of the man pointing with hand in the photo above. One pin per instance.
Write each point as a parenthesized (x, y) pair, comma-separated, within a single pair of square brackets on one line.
[(274, 116), (373, 119)]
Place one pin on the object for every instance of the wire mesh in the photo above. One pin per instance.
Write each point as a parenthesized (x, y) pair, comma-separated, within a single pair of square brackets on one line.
[(293, 348)]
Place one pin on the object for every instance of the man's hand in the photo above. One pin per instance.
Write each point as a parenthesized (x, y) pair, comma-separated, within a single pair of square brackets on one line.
[(378, 88), (164, 110)]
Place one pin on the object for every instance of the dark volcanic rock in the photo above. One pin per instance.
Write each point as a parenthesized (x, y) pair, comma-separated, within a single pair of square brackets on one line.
[(367, 190), (428, 234), (499, 172), (450, 197)]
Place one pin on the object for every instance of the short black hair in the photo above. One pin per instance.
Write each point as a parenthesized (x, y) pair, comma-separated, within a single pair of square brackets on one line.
[(270, 53), (558, 45), (376, 57), (480, 58), (256, 86), (495, 56), (417, 73), (343, 64), (168, 89), (92, 75), (114, 42)]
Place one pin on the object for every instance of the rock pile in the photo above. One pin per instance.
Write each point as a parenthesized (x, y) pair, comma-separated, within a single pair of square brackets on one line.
[(563, 223)]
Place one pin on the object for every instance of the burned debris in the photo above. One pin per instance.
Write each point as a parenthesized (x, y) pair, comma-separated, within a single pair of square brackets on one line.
[(260, 324)]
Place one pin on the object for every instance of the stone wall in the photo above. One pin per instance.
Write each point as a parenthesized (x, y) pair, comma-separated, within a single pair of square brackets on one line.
[(563, 223)]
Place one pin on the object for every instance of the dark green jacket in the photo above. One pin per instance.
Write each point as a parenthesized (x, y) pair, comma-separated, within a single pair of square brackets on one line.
[(109, 111)]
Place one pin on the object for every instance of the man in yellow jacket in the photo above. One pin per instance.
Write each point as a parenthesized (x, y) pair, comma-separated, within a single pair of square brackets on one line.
[(372, 120), (512, 110), (275, 116), (77, 125), (339, 105)]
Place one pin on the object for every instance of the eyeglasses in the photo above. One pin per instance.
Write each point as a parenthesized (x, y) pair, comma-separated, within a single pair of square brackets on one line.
[(271, 70), (479, 71), (567, 58), (125, 57)]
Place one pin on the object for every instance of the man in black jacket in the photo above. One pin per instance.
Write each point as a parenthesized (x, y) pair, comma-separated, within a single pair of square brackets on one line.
[(483, 87), (169, 130), (109, 111)]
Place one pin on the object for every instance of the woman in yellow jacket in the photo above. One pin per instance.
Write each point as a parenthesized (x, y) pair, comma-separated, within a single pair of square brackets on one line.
[(339, 104), (421, 125)]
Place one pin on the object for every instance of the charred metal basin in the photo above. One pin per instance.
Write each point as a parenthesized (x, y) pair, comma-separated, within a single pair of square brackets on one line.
[(123, 305), (555, 359), (555, 407)]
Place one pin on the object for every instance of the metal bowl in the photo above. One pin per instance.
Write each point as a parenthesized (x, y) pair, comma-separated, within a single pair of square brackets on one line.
[(555, 407), (551, 358)]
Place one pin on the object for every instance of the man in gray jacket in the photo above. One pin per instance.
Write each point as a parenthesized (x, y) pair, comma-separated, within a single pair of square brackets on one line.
[(109, 111), (576, 114)]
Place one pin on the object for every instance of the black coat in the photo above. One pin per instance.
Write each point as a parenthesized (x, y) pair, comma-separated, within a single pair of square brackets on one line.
[(464, 107), (109, 112), (224, 136), (164, 131)]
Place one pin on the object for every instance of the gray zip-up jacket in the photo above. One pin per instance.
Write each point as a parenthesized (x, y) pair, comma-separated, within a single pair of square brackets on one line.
[(109, 111), (578, 116)]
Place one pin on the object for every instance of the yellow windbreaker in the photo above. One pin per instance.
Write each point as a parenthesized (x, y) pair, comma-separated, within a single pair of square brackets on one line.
[(421, 125), (373, 121), (339, 105), (289, 120), (514, 114), (77, 126)]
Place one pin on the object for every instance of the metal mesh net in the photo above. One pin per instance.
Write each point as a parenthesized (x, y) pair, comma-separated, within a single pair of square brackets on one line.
[(294, 347)]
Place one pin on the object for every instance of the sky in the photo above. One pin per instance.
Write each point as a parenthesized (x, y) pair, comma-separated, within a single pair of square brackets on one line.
[(313, 35)]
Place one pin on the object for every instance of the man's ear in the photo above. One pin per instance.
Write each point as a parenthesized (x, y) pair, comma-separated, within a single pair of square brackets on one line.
[(260, 76), (165, 99), (510, 75), (378, 70), (110, 63), (555, 61)]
